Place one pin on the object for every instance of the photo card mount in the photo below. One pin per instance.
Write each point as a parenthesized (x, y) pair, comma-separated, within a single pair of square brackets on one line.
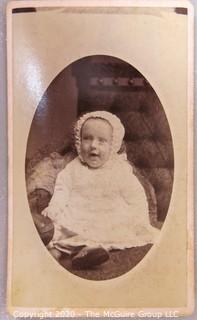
[(133, 59)]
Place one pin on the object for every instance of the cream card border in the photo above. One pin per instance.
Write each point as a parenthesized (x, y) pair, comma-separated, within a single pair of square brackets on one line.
[(83, 295)]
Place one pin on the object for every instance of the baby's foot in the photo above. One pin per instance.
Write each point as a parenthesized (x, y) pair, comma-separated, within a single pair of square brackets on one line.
[(90, 257), (55, 253)]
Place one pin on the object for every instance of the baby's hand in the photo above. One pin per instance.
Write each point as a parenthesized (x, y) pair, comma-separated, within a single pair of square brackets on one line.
[(45, 212)]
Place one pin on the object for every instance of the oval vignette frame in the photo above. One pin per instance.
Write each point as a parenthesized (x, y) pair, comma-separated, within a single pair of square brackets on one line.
[(93, 83)]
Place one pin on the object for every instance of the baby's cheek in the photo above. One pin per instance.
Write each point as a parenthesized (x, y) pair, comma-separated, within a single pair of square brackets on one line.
[(84, 147), (109, 149)]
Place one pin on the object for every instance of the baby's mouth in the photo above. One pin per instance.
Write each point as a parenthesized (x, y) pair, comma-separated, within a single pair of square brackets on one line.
[(94, 155)]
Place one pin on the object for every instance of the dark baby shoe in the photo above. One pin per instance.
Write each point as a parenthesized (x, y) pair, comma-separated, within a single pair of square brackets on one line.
[(44, 226), (89, 257)]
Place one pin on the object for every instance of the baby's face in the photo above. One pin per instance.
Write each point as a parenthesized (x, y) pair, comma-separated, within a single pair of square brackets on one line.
[(96, 139)]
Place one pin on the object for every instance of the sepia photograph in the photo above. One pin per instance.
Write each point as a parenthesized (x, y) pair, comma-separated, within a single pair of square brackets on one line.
[(99, 167), (100, 130)]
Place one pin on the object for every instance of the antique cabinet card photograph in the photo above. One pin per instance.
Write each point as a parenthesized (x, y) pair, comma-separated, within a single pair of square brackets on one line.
[(100, 108)]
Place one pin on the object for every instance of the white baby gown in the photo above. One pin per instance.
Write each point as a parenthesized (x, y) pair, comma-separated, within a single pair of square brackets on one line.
[(106, 206)]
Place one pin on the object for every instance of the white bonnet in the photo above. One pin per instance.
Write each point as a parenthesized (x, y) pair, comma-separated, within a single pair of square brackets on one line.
[(118, 128)]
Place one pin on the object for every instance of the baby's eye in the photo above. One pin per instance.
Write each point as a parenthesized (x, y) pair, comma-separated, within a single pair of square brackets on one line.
[(102, 140), (86, 138)]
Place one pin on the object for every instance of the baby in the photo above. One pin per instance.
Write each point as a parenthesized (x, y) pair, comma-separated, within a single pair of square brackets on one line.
[(98, 203)]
